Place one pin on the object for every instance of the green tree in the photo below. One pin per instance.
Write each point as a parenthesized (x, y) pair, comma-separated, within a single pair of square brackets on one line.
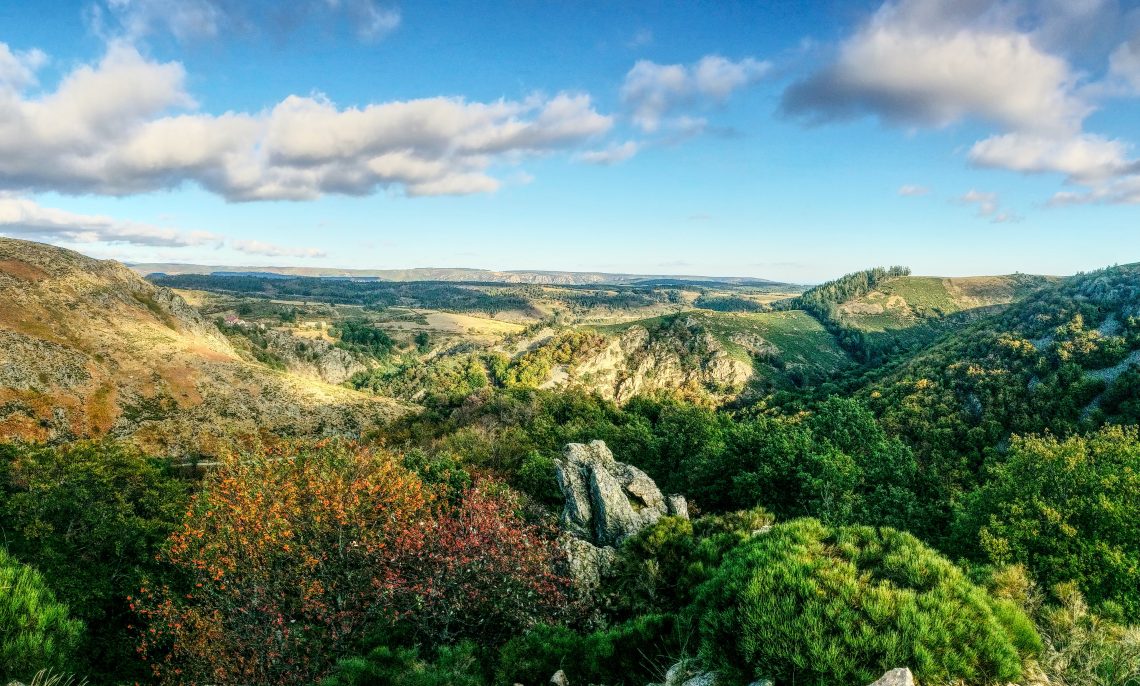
[(1067, 509), (90, 517)]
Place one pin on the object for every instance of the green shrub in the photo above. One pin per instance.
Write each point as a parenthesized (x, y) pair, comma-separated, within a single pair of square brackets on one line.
[(35, 629), (634, 652), (810, 605), (90, 517), (453, 666)]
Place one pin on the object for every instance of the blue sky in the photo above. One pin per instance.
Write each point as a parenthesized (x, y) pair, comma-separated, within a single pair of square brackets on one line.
[(794, 141)]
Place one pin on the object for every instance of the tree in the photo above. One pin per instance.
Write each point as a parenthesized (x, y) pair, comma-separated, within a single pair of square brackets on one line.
[(36, 631), (1067, 509), (286, 558), (90, 516), (803, 603)]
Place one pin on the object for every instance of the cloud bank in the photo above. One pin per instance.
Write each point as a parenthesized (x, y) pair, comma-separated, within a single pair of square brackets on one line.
[(127, 125), (24, 218), (1005, 63)]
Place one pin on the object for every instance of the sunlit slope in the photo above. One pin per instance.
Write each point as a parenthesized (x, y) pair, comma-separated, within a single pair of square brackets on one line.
[(88, 348)]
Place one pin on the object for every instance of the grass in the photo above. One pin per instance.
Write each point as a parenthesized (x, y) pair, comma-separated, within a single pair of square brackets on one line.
[(905, 302)]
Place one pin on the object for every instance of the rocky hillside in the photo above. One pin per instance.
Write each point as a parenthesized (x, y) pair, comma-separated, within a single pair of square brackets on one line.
[(89, 348)]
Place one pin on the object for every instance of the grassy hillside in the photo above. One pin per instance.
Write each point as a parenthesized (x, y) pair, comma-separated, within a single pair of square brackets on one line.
[(89, 348), (903, 302)]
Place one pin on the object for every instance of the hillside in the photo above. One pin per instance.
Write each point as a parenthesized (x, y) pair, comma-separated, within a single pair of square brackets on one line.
[(89, 348), (1064, 359), (906, 301)]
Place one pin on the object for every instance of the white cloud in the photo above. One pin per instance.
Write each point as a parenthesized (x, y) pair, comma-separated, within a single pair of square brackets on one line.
[(916, 64), (18, 69), (651, 91), (251, 247), (1122, 191), (989, 206), (618, 152), (1082, 157), (911, 190), (1124, 66), (127, 125), (933, 63), (23, 218), (640, 38)]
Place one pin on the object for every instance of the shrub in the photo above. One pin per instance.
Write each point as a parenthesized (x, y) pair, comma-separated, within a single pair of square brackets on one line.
[(287, 558), (453, 666), (483, 574), (35, 629), (806, 604), (636, 651)]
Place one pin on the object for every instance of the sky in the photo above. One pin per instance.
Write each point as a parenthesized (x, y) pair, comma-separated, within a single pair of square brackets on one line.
[(787, 140)]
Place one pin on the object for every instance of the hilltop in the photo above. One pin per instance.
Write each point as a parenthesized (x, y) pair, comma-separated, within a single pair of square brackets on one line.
[(89, 348), (455, 274)]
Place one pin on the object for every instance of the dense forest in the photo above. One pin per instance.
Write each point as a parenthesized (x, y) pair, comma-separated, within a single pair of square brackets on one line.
[(969, 510)]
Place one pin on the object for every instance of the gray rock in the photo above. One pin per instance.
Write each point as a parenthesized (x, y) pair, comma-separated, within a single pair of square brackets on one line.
[(559, 679), (608, 501), (896, 677), (587, 563), (677, 506), (705, 679), (763, 682), (614, 518)]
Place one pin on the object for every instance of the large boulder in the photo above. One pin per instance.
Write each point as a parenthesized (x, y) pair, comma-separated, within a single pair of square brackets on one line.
[(608, 501)]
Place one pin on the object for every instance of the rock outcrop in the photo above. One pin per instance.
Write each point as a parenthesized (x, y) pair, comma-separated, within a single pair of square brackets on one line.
[(606, 502), (896, 677)]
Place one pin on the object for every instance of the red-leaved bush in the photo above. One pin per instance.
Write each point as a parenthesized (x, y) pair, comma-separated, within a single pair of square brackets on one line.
[(485, 574), (285, 560)]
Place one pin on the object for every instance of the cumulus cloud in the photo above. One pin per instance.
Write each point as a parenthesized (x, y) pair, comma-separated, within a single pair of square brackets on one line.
[(18, 69), (934, 63), (618, 152), (922, 63), (22, 217), (911, 190), (651, 91), (127, 125), (1083, 157)]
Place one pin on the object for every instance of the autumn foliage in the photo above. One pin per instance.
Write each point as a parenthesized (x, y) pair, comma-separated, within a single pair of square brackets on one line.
[(484, 574), (286, 560)]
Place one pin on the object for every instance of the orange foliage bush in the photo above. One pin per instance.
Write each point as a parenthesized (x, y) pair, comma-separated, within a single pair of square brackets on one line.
[(285, 559)]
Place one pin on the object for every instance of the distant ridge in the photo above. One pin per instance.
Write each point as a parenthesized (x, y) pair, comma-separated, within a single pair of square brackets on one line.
[(553, 278)]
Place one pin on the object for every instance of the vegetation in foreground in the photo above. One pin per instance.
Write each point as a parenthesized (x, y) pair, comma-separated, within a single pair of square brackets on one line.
[(967, 509)]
